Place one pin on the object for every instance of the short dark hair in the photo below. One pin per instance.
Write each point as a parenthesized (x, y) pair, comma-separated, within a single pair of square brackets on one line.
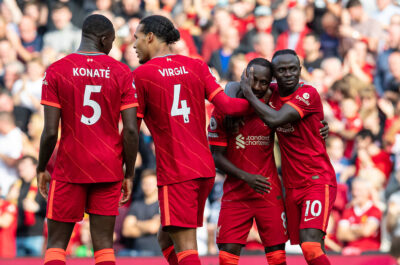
[(314, 35), (284, 52), (60, 5), (353, 3), (97, 25), (162, 27), (365, 133), (33, 159), (259, 61)]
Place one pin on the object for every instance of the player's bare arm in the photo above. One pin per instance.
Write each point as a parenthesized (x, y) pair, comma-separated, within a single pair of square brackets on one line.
[(269, 116), (48, 142), (130, 144), (259, 183)]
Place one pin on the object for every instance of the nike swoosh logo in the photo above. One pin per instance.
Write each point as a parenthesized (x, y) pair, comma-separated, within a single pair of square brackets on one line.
[(305, 219)]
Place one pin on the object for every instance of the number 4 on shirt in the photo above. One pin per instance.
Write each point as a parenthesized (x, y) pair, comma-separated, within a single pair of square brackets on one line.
[(184, 110)]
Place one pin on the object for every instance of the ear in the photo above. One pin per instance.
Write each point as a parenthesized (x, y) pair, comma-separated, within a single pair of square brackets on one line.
[(103, 40), (150, 37)]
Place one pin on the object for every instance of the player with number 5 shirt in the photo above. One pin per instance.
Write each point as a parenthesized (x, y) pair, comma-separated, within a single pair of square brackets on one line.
[(171, 92)]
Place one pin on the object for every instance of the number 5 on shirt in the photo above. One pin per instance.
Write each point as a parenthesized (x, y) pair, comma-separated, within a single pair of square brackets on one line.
[(89, 89), (176, 111)]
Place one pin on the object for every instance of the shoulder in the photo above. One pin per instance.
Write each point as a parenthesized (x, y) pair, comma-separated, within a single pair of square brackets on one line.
[(375, 211)]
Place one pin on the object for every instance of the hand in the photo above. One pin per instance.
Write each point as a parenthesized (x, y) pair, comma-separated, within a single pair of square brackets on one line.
[(43, 178), (247, 82), (30, 205), (258, 183), (126, 189), (324, 131)]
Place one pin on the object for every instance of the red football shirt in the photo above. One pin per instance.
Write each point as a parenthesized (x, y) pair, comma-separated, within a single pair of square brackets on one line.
[(171, 93), (356, 216), (304, 158), (91, 89), (251, 149), (8, 235)]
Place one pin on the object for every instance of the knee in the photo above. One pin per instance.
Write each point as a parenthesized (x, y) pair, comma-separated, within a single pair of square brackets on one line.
[(311, 235), (231, 248), (311, 250), (274, 248)]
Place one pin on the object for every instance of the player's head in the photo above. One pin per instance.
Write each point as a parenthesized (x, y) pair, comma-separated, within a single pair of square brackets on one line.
[(262, 75), (99, 30), (286, 69), (153, 33)]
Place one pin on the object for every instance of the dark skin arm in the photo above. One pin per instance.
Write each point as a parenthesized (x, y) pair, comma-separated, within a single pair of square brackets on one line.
[(130, 138), (257, 182), (48, 142), (268, 115)]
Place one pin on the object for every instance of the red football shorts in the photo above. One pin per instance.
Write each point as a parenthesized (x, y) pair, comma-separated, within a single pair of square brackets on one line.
[(67, 202), (236, 219), (182, 204), (308, 207)]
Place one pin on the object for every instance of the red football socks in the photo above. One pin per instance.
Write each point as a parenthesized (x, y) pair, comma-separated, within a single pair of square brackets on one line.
[(226, 258), (188, 257), (313, 254), (54, 256), (105, 257), (277, 257), (170, 255)]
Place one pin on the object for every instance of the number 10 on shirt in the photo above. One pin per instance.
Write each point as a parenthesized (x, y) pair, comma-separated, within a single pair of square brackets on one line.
[(184, 110)]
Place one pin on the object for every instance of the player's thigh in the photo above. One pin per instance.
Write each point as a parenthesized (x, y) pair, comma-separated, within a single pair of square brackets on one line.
[(179, 203), (103, 198), (293, 214), (317, 202), (271, 224), (66, 201), (234, 223), (206, 185)]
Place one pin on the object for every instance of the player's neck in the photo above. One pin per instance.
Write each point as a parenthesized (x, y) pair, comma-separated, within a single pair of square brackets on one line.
[(163, 51), (287, 91), (88, 47)]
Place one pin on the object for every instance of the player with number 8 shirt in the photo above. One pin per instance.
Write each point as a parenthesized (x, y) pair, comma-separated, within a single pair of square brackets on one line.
[(171, 93)]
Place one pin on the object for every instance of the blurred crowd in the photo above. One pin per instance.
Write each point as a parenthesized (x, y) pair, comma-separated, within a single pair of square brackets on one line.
[(350, 51)]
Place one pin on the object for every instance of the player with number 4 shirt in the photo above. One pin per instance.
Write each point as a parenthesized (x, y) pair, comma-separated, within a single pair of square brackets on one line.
[(171, 92)]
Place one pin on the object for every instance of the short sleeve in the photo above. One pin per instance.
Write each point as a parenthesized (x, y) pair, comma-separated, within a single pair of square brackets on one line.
[(50, 95), (216, 130), (212, 87), (306, 101), (129, 95), (137, 84)]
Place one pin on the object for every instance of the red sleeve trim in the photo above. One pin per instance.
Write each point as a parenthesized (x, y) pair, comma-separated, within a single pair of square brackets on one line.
[(296, 108), (213, 94), (49, 103), (129, 106), (218, 143), (140, 115)]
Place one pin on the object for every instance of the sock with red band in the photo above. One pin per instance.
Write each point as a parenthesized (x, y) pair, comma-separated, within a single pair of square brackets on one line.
[(313, 254), (170, 255), (105, 257), (188, 257), (277, 257), (54, 256), (226, 258)]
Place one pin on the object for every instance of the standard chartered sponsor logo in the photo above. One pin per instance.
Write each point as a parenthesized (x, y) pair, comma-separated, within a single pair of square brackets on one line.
[(242, 142)]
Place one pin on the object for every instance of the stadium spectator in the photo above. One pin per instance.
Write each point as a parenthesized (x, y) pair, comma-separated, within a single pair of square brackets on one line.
[(220, 59), (65, 37), (332, 66), (143, 220), (386, 9), (356, 63), (294, 36), (6, 102), (356, 25), (264, 47), (383, 76), (392, 90), (330, 35), (313, 57), (8, 228), (10, 151), (31, 209), (335, 150), (237, 63), (359, 227), (262, 24), (393, 214)]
